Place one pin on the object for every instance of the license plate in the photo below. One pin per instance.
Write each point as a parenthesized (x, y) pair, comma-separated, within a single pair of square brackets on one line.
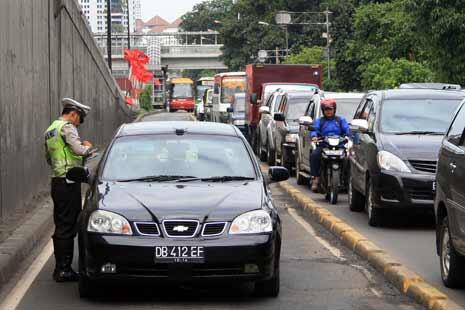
[(179, 254)]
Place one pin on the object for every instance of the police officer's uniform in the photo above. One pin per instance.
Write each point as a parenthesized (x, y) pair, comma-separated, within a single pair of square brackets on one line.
[(64, 150)]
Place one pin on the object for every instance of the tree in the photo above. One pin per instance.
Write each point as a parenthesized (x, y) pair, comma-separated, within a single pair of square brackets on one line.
[(385, 73), (204, 14), (145, 98), (442, 25)]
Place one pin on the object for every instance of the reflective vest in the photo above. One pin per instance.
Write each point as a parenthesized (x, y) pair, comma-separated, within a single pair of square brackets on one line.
[(62, 156)]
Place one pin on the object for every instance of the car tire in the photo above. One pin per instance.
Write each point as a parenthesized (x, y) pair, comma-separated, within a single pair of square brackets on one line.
[(173, 110), (356, 199), (269, 288), (452, 263), (301, 180), (271, 156), (286, 164), (372, 211)]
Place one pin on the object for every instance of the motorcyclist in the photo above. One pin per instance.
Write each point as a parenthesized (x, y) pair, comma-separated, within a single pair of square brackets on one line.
[(328, 125)]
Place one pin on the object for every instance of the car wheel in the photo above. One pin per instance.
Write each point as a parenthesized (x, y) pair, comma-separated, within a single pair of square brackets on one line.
[(356, 199), (271, 156), (172, 110), (452, 263), (301, 180), (269, 288), (373, 212), (286, 164)]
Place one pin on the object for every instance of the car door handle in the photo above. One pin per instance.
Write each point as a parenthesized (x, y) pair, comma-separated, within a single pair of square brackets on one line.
[(452, 166)]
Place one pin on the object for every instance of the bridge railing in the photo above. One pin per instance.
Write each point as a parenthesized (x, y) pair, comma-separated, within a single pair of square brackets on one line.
[(197, 50)]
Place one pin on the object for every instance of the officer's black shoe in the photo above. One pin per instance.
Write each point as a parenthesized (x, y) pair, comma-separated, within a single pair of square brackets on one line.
[(65, 275)]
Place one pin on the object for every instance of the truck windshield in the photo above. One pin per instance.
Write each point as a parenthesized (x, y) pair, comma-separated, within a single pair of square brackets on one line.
[(417, 115), (182, 91), (231, 86), (239, 104)]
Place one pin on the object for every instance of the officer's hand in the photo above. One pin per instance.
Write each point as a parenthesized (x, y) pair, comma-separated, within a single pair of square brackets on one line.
[(87, 144), (315, 139)]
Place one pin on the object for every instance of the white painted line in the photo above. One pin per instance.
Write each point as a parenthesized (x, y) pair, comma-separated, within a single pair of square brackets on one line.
[(18, 292), (335, 251)]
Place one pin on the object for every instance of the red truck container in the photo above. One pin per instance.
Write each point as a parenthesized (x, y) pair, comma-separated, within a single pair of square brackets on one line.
[(258, 74)]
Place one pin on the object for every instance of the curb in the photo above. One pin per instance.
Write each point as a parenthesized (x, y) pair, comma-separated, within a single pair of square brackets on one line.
[(407, 282), (16, 248)]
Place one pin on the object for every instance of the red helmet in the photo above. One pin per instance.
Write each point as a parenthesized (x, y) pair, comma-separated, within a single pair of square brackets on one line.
[(328, 103)]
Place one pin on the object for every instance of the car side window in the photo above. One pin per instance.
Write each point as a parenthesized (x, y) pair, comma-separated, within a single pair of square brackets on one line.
[(270, 100), (360, 108), (366, 110), (457, 130), (309, 109), (372, 115), (282, 107)]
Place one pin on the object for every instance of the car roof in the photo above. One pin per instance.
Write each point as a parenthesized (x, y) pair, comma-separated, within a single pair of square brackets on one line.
[(148, 128), (421, 94), (285, 83), (299, 94), (338, 95), (230, 74), (444, 86)]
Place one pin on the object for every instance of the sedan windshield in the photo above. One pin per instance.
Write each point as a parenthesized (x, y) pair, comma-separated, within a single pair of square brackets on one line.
[(171, 158), (346, 107), (270, 89), (297, 108), (417, 116)]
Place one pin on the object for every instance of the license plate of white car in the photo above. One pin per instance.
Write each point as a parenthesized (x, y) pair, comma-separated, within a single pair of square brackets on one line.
[(179, 254)]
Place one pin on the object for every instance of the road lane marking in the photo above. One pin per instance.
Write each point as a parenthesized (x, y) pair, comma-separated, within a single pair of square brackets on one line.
[(335, 251), (23, 285)]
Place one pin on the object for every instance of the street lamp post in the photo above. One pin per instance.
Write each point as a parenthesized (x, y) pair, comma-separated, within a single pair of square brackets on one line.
[(109, 33), (129, 24)]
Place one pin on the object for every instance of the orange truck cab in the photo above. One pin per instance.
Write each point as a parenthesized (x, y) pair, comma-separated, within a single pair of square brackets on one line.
[(181, 94)]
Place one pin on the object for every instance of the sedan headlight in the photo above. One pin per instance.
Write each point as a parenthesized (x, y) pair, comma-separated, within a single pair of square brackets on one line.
[(391, 162), (239, 122), (291, 138), (106, 222), (254, 222)]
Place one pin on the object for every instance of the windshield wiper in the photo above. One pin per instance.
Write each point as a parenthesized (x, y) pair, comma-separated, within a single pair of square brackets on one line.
[(158, 178), (226, 178), (420, 133)]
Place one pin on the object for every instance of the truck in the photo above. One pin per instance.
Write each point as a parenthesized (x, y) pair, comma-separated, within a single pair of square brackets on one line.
[(259, 74), (226, 86)]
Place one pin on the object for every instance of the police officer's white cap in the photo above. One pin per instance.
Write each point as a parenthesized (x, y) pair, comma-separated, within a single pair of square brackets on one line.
[(71, 103)]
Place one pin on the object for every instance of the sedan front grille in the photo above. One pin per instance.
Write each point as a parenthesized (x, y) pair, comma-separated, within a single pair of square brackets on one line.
[(147, 228), (213, 229), (421, 194), (424, 165), (181, 228)]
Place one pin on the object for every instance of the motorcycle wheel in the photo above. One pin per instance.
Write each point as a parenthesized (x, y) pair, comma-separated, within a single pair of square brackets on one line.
[(334, 187)]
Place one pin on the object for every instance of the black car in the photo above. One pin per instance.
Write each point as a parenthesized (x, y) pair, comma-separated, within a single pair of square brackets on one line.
[(181, 202), (450, 203), (395, 152)]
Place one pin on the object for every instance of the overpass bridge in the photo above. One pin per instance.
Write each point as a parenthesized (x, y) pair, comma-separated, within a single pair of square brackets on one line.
[(177, 50)]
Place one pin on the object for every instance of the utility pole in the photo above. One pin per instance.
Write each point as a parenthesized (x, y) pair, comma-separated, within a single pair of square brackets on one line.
[(129, 24), (109, 33), (328, 43)]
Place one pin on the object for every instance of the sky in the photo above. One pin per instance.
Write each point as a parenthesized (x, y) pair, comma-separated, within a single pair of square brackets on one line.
[(168, 9)]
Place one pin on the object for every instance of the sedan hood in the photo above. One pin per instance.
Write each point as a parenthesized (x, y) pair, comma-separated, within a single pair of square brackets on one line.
[(413, 147), (198, 201)]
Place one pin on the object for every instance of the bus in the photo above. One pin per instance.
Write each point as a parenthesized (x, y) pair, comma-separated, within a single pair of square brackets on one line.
[(181, 94), (226, 86)]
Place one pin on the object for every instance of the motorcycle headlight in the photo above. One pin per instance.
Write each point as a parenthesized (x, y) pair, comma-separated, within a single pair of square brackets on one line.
[(291, 138), (391, 162), (333, 141), (106, 222), (254, 222)]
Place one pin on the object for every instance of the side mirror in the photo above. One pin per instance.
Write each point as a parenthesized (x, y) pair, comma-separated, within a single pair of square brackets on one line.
[(305, 121), (264, 110), (279, 117), (278, 174), (230, 110), (359, 125), (78, 175), (253, 98)]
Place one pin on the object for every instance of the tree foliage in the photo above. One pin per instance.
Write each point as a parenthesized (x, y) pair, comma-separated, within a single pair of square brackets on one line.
[(145, 98)]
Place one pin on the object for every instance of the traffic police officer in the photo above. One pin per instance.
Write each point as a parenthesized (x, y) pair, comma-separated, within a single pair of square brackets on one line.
[(65, 150)]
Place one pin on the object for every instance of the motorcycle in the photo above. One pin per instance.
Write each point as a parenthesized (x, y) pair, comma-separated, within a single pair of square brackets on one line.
[(334, 151)]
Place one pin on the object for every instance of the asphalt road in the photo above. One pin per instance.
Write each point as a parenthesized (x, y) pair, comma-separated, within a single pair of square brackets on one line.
[(406, 236), (317, 272)]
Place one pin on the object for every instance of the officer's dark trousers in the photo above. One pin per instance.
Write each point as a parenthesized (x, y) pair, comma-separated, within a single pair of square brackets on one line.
[(66, 208), (315, 162)]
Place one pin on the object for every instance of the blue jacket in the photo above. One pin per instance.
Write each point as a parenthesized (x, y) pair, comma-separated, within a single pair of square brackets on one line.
[(332, 127)]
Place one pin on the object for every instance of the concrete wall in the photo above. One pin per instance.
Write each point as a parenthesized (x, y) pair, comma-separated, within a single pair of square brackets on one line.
[(46, 53)]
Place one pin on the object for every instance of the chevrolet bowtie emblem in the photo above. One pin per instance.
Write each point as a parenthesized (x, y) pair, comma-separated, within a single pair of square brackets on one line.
[(180, 228)]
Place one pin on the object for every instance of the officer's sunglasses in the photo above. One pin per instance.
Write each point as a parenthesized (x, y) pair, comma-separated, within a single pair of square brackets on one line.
[(328, 109)]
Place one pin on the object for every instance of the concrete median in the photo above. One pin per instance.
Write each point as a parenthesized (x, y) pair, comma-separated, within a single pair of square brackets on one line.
[(405, 280)]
